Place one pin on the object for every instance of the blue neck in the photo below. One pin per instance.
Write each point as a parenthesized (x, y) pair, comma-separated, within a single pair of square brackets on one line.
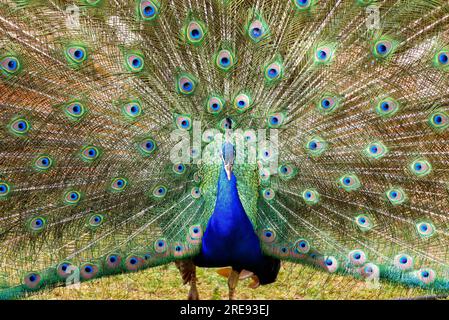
[(229, 239)]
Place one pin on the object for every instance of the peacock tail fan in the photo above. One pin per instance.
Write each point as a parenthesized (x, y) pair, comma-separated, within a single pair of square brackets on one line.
[(92, 93)]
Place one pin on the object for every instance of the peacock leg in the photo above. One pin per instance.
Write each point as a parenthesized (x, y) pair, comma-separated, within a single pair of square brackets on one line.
[(188, 273), (232, 283)]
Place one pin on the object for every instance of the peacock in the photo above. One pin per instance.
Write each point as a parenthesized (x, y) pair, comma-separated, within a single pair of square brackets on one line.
[(231, 134)]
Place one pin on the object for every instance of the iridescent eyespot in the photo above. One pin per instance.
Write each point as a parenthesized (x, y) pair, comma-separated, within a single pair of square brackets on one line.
[(403, 262), (9, 65), (65, 269), (132, 110), (133, 263), (225, 60), (195, 234), (286, 171), (195, 192), (425, 229), (370, 271), (387, 107), (364, 222), (186, 84), (43, 163), (72, 197), (383, 48), (118, 184), (160, 246), (441, 60), (159, 191), (349, 182), (274, 70), (113, 261), (5, 189), (95, 220), (396, 196), (315, 146), (32, 280), (268, 235), (147, 146), (267, 153), (90, 153), (256, 28), (439, 120), (324, 54), (311, 196), (224, 125), (302, 5), (195, 32), (375, 150), (264, 175), (134, 62), (19, 126), (276, 120), (242, 102), (328, 103), (148, 10), (420, 167), (179, 168), (215, 104), (76, 55), (37, 224), (183, 122), (357, 257), (88, 271), (75, 110), (426, 275), (330, 264), (302, 246), (268, 194)]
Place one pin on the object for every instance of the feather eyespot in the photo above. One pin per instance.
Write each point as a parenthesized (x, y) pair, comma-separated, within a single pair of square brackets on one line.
[(119, 184), (37, 224), (65, 269), (268, 194), (76, 55), (403, 262), (357, 257), (215, 104), (88, 271), (113, 261), (32, 280), (147, 146), (19, 126), (396, 196), (90, 153), (148, 10), (375, 150), (134, 62), (268, 235), (349, 182), (225, 60), (9, 65), (75, 110), (310, 196), (72, 197), (439, 120), (5, 189)]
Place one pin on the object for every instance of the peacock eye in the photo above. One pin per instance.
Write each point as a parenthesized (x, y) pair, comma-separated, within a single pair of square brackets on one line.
[(132, 110), (76, 55), (19, 126), (148, 10), (225, 60), (186, 84), (134, 62), (10, 65)]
